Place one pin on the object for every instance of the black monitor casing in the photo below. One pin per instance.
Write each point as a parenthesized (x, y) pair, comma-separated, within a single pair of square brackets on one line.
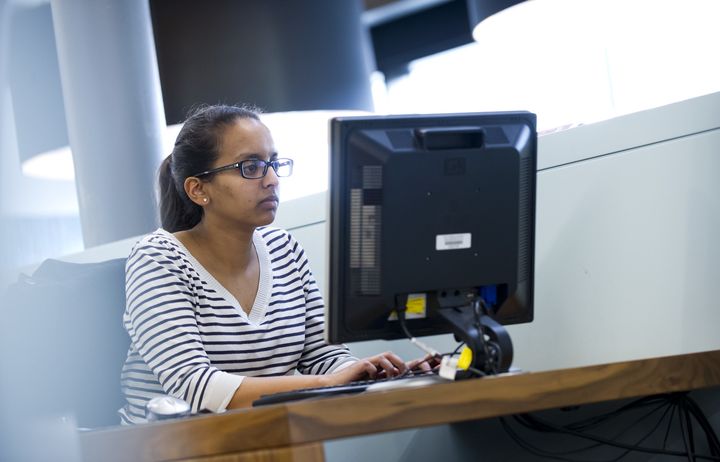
[(399, 182)]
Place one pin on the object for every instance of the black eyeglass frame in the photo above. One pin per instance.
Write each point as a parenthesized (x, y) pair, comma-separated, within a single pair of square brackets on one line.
[(275, 164)]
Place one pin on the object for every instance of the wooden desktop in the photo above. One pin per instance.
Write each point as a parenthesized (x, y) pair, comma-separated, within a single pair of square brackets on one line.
[(295, 431)]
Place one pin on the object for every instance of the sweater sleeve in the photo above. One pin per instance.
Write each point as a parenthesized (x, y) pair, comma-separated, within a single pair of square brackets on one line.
[(160, 319), (318, 357)]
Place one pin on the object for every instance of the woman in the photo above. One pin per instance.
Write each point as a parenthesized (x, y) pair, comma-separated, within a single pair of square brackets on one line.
[(222, 309)]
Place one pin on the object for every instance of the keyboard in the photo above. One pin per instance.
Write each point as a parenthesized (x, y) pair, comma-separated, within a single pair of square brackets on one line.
[(414, 380)]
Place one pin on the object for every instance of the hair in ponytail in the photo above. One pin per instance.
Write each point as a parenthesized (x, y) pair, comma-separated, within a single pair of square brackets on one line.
[(196, 149), (177, 211)]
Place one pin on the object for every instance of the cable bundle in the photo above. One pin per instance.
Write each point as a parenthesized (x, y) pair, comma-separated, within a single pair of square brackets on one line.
[(667, 413)]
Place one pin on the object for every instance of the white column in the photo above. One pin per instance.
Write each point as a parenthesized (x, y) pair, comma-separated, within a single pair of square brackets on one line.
[(114, 111)]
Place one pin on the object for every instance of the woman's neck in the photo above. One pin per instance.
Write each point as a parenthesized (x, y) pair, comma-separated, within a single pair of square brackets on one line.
[(228, 250)]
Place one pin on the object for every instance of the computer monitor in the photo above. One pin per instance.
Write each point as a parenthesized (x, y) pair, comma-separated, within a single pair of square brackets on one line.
[(432, 218)]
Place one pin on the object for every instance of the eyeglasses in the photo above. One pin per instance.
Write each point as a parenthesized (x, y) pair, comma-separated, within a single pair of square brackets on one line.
[(253, 169)]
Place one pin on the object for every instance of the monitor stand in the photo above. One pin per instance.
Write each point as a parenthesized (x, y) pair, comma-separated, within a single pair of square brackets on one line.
[(492, 350)]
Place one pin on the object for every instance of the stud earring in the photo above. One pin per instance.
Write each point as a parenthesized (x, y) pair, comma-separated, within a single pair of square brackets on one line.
[(205, 200)]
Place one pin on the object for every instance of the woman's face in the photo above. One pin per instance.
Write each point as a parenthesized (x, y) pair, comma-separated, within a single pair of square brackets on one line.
[(237, 200)]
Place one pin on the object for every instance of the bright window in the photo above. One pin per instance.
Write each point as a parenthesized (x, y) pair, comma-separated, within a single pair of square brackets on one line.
[(571, 61)]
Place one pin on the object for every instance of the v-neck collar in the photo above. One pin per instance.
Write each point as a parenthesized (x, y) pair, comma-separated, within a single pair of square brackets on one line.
[(262, 298)]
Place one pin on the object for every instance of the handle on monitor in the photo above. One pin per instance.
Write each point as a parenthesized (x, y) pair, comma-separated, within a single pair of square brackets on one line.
[(446, 138)]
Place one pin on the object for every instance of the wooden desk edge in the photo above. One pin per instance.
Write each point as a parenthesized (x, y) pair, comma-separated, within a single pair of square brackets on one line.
[(318, 420)]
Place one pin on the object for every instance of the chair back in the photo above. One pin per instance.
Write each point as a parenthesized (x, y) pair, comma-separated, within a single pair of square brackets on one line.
[(64, 328)]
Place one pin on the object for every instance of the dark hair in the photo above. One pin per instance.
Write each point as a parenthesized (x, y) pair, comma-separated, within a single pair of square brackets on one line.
[(196, 149)]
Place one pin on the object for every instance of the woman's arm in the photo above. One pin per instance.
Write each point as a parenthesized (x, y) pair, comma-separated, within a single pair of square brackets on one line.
[(252, 388), (318, 357), (160, 320)]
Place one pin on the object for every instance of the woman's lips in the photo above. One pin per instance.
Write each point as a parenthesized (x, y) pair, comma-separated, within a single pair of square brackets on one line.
[(270, 202)]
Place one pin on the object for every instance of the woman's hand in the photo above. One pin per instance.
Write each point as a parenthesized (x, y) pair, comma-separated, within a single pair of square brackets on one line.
[(379, 366), (425, 364)]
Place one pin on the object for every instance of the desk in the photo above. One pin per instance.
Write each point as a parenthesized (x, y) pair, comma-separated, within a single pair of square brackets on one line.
[(295, 431)]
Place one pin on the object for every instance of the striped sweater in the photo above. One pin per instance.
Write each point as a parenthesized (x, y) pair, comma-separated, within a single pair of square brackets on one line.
[(191, 339)]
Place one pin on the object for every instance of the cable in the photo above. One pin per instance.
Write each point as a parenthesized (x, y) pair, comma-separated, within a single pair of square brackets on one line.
[(649, 433), (623, 430), (712, 438), (427, 349), (597, 420), (480, 310), (670, 421), (668, 402), (687, 430), (559, 455), (527, 446), (457, 350), (622, 445), (637, 421), (683, 433), (477, 372)]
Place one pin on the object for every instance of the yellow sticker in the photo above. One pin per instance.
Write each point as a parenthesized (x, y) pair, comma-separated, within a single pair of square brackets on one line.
[(416, 308)]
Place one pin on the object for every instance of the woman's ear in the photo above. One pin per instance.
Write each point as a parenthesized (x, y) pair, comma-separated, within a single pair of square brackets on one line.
[(195, 189)]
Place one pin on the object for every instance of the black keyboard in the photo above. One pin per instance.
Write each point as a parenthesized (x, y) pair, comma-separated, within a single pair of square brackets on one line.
[(347, 388)]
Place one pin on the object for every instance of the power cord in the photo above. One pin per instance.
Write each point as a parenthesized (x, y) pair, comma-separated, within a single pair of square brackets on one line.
[(425, 348)]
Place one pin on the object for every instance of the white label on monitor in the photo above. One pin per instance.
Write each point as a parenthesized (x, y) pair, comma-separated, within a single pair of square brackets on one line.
[(453, 241)]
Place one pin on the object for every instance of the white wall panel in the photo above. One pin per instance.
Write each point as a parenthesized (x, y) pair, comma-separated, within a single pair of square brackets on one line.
[(625, 256)]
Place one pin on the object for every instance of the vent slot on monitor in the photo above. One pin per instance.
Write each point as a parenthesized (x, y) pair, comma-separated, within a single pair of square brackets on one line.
[(365, 225), (525, 219)]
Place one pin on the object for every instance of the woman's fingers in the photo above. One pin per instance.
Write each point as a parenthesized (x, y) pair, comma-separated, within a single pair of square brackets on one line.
[(422, 364), (396, 361), (366, 368), (415, 363), (387, 365)]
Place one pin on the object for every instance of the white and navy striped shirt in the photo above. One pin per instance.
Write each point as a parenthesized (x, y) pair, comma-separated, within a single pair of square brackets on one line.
[(191, 339)]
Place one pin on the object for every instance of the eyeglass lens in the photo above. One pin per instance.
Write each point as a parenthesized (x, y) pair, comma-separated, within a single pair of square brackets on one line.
[(257, 168)]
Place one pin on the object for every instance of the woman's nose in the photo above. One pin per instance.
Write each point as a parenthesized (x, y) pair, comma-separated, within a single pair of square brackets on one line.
[(270, 178)]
